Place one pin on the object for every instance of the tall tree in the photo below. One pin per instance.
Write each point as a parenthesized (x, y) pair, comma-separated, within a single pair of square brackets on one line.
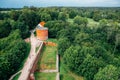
[(15, 14), (79, 20), (62, 16), (110, 72), (90, 67), (30, 18), (45, 17), (24, 29), (5, 28), (63, 44)]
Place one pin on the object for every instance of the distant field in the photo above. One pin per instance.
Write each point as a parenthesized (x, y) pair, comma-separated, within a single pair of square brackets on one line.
[(4, 11), (65, 74), (45, 76), (91, 22)]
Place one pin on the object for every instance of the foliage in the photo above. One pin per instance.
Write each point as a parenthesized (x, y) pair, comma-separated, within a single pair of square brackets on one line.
[(45, 17), (73, 13), (81, 37), (15, 14), (73, 58), (30, 18), (79, 20), (54, 14), (13, 49), (24, 29), (5, 28), (66, 74), (62, 16), (90, 67), (88, 38), (61, 46), (110, 72), (4, 16), (54, 27)]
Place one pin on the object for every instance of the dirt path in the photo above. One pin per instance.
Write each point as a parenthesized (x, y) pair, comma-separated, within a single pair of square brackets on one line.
[(32, 51), (31, 58)]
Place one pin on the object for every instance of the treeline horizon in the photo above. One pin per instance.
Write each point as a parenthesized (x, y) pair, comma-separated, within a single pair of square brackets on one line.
[(5, 9)]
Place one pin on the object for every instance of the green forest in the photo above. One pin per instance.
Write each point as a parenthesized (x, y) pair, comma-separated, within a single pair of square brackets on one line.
[(88, 39)]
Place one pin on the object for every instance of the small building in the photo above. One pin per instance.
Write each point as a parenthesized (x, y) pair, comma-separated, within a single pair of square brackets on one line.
[(41, 32)]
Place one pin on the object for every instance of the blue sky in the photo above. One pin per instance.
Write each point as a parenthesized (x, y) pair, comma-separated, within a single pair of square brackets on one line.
[(46, 3)]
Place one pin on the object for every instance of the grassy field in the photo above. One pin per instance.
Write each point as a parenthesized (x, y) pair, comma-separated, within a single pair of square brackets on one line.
[(65, 74), (47, 61), (48, 58), (45, 76), (91, 22), (52, 40)]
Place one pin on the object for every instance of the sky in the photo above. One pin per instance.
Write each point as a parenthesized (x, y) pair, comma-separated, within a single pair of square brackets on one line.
[(49, 3)]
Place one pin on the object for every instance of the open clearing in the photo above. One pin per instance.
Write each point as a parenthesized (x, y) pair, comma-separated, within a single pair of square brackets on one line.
[(47, 59), (91, 22), (52, 40)]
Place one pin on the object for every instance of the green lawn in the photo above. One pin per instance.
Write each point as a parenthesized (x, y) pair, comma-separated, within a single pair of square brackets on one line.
[(65, 74), (52, 40), (45, 76), (47, 58)]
